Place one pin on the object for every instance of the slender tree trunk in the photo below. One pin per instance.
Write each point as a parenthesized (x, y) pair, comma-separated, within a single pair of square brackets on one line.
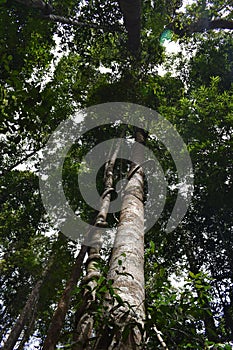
[(25, 315), (228, 317), (83, 319), (29, 329), (127, 264), (210, 328), (63, 305)]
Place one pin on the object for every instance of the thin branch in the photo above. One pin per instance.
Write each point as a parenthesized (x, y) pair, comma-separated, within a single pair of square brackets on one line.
[(160, 339), (64, 20), (31, 304), (20, 161), (47, 10)]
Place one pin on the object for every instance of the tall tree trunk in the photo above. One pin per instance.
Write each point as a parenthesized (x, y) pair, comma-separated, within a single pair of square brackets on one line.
[(84, 321), (131, 11), (127, 264)]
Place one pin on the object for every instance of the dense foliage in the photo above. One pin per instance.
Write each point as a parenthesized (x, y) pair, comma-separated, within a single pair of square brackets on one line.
[(49, 69)]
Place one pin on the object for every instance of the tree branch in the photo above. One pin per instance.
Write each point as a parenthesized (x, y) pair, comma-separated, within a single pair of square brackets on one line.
[(200, 26), (39, 4), (160, 339), (47, 10), (64, 20), (20, 161), (59, 315)]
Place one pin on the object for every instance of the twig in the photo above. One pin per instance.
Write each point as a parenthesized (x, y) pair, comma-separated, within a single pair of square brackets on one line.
[(162, 342)]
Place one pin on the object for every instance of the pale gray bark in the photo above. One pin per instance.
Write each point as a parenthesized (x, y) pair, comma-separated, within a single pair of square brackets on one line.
[(127, 263), (160, 338), (84, 325)]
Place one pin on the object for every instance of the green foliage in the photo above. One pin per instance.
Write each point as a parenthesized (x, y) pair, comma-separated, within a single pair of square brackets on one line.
[(37, 93), (176, 311), (213, 58)]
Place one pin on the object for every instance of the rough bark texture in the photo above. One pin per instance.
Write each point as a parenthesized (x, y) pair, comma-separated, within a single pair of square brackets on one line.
[(127, 264), (83, 319)]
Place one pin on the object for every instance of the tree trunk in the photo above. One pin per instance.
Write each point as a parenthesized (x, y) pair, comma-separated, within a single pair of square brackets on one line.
[(29, 329), (84, 321), (127, 265), (25, 315), (132, 12), (210, 328), (63, 305)]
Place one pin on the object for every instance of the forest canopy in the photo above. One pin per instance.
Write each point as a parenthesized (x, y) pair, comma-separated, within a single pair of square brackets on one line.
[(60, 57)]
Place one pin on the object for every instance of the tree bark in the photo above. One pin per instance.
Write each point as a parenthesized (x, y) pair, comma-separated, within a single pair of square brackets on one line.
[(29, 329), (84, 321), (127, 264)]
